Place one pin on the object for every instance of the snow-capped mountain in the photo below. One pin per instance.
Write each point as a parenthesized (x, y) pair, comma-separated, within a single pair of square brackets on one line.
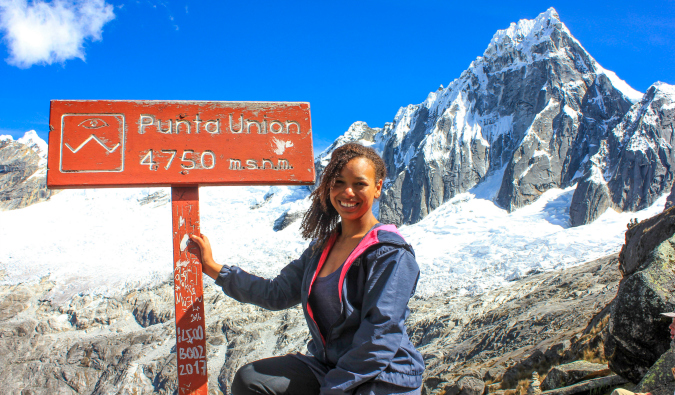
[(634, 164), (486, 178), (111, 241), (534, 107), (23, 165)]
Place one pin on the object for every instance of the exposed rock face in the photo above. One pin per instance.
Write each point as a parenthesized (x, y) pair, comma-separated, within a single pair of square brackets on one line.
[(660, 379), (644, 139), (506, 334), (22, 172), (572, 373), (590, 386), (638, 335), (126, 344), (590, 200), (634, 165)]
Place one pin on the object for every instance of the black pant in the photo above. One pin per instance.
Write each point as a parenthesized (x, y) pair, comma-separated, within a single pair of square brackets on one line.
[(288, 375), (279, 375)]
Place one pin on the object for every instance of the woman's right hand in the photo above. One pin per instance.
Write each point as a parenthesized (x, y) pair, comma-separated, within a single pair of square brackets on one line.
[(209, 266)]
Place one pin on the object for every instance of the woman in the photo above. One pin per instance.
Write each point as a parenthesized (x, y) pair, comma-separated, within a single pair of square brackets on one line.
[(354, 282)]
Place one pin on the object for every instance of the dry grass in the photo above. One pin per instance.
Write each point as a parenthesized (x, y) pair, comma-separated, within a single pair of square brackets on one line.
[(522, 386), (595, 356)]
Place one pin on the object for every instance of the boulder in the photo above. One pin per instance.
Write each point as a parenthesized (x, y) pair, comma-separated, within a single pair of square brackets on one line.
[(572, 373), (467, 385), (660, 379), (638, 334), (642, 238), (589, 386)]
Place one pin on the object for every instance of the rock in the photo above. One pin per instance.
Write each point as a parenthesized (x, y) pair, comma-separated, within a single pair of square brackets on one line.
[(524, 369), (572, 373), (151, 308), (494, 374), (659, 379), (534, 388), (589, 386), (540, 321), (643, 238), (670, 200), (642, 170), (23, 172), (96, 344), (466, 385), (638, 334), (590, 200), (286, 219), (158, 198)]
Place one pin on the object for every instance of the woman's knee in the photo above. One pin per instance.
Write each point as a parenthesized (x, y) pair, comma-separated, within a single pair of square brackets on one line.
[(244, 381)]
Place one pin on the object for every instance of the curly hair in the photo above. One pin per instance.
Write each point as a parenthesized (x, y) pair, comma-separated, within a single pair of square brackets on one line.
[(321, 220)]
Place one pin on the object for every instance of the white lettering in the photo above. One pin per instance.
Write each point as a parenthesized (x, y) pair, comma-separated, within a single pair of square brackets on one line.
[(283, 165), (265, 161), (182, 122), (147, 160), (235, 164), (173, 155), (142, 124), (288, 126), (241, 124), (280, 127), (159, 127), (251, 164), (251, 123), (212, 126), (197, 122), (190, 161), (213, 159)]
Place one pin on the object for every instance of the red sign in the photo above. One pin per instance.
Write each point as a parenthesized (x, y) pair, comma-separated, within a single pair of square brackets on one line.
[(178, 143)]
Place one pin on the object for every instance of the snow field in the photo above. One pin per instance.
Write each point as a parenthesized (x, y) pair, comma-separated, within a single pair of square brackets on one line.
[(104, 241)]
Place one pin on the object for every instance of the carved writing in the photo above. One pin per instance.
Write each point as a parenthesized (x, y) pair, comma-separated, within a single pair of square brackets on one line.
[(232, 124), (262, 164)]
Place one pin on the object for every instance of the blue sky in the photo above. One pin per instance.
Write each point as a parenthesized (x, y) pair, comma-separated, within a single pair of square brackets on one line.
[(352, 60)]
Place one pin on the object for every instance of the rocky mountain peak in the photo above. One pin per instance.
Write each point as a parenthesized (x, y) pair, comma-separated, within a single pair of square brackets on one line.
[(526, 33), (23, 167), (535, 107), (36, 143)]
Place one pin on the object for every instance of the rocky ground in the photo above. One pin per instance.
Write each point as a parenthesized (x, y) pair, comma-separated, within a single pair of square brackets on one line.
[(125, 344)]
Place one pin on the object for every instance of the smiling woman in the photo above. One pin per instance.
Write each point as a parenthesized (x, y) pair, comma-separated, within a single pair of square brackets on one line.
[(354, 282)]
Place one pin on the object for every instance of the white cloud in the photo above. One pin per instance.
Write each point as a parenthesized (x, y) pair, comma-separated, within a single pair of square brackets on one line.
[(41, 32)]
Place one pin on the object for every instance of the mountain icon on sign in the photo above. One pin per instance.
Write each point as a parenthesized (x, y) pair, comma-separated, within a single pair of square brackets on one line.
[(92, 143), (96, 139)]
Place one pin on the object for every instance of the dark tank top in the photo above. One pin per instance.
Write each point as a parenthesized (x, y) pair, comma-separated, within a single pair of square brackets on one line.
[(325, 301)]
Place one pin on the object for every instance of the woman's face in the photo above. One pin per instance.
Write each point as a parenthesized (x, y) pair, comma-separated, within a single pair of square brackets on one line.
[(672, 329), (354, 189)]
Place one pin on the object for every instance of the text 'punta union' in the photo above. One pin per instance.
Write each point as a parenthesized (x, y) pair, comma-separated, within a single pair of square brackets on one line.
[(148, 123)]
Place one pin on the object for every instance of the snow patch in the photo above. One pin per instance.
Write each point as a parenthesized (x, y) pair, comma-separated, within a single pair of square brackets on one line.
[(633, 95)]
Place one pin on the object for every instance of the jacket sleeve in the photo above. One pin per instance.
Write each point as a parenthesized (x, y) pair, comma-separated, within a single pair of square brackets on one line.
[(278, 293), (391, 282)]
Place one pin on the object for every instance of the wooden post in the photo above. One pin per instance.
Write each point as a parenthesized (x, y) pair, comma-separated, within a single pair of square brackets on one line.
[(189, 293)]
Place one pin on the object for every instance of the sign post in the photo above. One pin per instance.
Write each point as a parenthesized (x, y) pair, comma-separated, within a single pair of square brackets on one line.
[(183, 145)]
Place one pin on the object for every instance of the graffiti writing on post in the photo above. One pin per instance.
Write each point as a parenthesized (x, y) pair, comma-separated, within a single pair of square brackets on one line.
[(189, 293)]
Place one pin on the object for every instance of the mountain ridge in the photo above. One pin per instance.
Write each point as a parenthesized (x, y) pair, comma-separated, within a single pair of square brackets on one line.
[(535, 105)]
